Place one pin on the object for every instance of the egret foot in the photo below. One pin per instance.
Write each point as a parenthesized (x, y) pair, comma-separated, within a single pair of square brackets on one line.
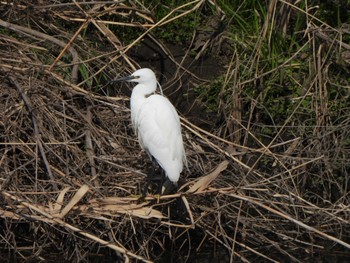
[(168, 188)]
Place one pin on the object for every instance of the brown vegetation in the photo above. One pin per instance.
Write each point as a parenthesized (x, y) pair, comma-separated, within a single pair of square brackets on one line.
[(71, 169)]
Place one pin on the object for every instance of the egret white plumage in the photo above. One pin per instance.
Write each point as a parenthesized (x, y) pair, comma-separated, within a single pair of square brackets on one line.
[(157, 124)]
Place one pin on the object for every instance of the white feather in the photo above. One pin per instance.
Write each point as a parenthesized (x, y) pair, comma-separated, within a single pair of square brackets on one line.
[(157, 124)]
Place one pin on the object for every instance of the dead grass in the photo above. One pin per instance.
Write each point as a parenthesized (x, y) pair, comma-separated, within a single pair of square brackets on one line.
[(71, 167)]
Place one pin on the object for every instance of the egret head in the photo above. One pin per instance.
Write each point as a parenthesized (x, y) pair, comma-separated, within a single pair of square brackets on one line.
[(141, 76), (145, 77)]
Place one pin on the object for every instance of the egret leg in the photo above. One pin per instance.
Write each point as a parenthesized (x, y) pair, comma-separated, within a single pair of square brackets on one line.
[(162, 180), (145, 189), (150, 177)]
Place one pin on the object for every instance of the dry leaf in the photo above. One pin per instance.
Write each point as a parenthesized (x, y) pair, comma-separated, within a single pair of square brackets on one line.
[(76, 198), (120, 205), (8, 214), (184, 200), (60, 198), (134, 210), (206, 180)]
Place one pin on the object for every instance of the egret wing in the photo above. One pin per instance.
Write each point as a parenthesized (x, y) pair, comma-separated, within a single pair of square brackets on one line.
[(159, 132)]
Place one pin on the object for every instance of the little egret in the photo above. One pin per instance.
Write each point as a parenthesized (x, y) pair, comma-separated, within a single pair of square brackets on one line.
[(156, 124)]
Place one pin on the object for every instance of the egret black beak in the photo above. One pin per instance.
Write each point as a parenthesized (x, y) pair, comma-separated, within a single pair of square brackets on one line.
[(128, 78)]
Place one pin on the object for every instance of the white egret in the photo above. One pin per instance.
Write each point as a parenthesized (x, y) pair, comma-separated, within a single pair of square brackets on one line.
[(156, 123)]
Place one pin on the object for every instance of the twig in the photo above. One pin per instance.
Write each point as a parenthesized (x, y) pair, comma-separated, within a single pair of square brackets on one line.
[(71, 227), (295, 221), (36, 129), (89, 147), (32, 32)]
